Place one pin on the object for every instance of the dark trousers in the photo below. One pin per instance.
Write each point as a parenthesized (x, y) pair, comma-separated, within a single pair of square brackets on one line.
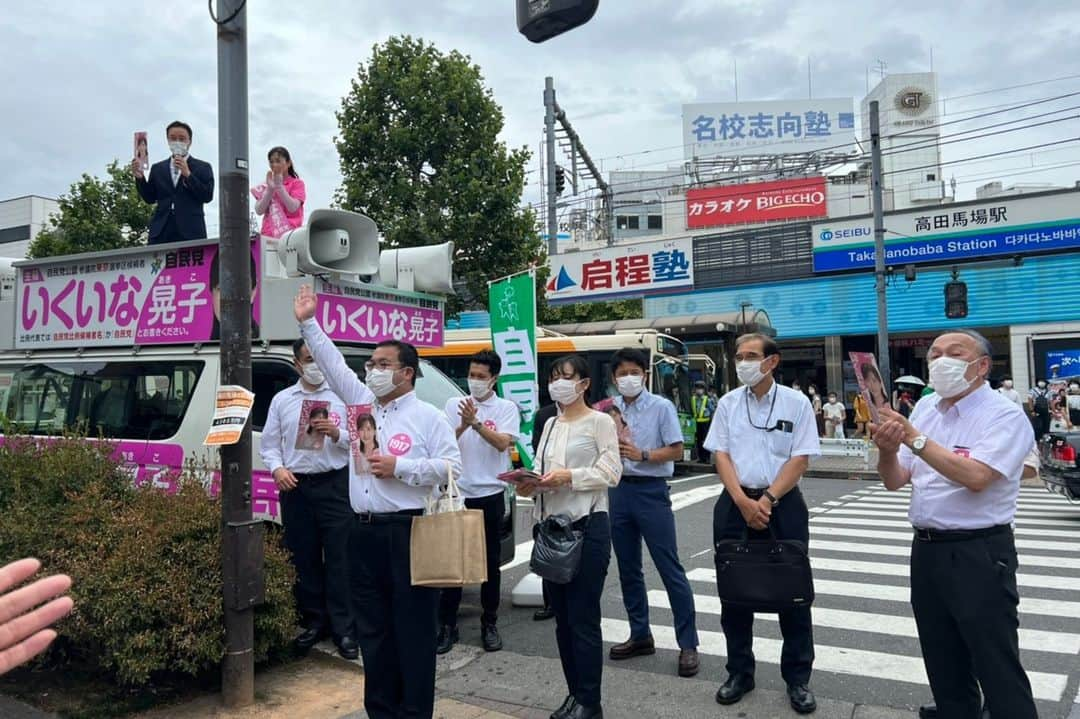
[(493, 507), (790, 520), (577, 614), (1041, 424), (395, 621), (700, 434), (169, 233), (964, 597), (642, 510), (316, 517)]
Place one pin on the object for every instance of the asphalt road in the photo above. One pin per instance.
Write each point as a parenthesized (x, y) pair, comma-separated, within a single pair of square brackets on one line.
[(867, 653)]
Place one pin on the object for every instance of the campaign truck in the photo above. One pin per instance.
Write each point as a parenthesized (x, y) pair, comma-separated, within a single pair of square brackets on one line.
[(123, 345)]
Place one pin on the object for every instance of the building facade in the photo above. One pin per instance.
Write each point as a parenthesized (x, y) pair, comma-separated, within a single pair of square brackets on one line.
[(21, 219)]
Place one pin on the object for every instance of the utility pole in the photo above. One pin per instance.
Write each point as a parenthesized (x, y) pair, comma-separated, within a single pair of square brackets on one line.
[(879, 245), (549, 130), (241, 535)]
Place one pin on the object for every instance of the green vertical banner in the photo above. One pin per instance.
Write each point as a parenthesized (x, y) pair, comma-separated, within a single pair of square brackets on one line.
[(512, 305)]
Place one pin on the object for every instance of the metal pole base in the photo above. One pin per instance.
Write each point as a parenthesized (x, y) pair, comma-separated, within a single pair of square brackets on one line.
[(238, 679)]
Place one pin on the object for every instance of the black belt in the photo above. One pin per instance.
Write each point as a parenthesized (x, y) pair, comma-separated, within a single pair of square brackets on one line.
[(754, 492), (583, 523), (402, 515), (958, 535), (636, 479), (318, 475)]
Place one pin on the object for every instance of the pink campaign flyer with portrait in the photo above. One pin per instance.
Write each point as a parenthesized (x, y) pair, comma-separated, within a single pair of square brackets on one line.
[(161, 295)]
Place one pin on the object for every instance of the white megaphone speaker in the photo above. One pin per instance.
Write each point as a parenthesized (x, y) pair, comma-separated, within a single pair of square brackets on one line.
[(419, 269), (333, 242)]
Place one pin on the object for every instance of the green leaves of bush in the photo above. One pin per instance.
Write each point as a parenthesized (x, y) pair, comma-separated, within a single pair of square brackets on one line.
[(146, 566)]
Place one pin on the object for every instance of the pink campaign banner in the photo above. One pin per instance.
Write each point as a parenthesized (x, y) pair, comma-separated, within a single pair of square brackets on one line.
[(161, 296), (365, 320)]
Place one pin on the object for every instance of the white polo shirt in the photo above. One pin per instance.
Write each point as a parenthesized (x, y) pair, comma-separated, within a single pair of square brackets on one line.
[(277, 446), (408, 428), (480, 462), (756, 453), (985, 426)]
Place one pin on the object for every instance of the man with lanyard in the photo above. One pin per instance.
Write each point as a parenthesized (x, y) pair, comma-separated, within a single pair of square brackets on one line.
[(763, 435), (396, 621), (702, 406), (486, 426), (314, 490), (963, 452), (640, 508)]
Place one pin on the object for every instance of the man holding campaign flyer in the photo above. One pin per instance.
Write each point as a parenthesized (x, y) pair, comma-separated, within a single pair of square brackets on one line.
[(306, 446), (641, 510), (396, 621), (179, 187), (486, 427)]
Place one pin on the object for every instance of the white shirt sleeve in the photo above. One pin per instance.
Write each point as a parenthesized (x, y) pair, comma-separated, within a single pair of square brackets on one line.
[(717, 438), (805, 442), (443, 451), (271, 439), (1004, 443), (607, 469), (509, 421), (341, 378)]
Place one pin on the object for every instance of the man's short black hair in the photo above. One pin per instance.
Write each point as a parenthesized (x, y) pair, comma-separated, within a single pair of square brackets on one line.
[(178, 123), (631, 355), (768, 344), (296, 347), (489, 359), (407, 356)]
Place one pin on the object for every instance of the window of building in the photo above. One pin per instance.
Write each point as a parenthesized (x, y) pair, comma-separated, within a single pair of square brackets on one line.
[(656, 222), (627, 222)]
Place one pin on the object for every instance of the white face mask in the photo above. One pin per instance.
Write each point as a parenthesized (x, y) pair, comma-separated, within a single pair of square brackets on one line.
[(947, 376), (1042, 385), (630, 385), (564, 391), (178, 148), (811, 391), (479, 388), (1008, 384), (381, 382), (313, 375), (1074, 388), (749, 372)]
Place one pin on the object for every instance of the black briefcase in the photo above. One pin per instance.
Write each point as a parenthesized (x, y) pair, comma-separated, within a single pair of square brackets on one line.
[(764, 575)]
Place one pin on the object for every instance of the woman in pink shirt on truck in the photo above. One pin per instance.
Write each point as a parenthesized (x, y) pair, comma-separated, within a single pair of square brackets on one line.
[(281, 199)]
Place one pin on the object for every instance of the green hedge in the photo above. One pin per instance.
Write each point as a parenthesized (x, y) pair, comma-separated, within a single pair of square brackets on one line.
[(145, 566)]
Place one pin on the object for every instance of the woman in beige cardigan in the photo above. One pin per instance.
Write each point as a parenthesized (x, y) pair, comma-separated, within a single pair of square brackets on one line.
[(579, 459)]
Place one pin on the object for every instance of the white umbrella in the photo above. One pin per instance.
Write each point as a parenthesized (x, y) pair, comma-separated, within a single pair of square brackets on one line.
[(910, 379)]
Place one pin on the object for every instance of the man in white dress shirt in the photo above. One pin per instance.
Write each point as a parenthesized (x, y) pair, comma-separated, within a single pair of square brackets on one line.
[(486, 426), (396, 621), (762, 436), (315, 514), (963, 452)]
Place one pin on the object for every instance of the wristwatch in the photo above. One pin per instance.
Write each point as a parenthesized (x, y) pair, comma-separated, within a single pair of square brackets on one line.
[(918, 444), (644, 455), (477, 424), (769, 495)]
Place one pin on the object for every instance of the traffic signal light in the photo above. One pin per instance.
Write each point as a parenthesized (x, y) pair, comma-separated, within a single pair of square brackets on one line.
[(541, 20), (956, 299), (560, 180)]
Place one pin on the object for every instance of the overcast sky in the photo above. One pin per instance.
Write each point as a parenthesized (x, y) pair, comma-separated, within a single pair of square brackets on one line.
[(81, 77)]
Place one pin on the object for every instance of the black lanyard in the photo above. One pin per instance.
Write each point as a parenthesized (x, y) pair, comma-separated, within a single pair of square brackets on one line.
[(772, 406)]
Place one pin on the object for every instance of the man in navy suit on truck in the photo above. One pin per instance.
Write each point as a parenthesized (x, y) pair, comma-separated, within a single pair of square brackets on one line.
[(180, 186)]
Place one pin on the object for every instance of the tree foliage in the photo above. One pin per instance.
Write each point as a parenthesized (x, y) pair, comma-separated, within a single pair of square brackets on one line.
[(592, 312), (420, 155), (96, 214)]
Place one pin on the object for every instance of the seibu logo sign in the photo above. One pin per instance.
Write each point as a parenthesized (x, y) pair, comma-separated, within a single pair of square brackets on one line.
[(756, 202)]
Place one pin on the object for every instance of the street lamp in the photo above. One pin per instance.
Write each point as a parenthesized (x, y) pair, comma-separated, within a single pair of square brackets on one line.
[(541, 20)]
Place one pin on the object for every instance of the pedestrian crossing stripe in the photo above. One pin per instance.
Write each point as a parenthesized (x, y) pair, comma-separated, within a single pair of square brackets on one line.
[(1035, 640), (839, 660), (1024, 519), (1037, 581), (819, 531), (1053, 530), (903, 551), (895, 593)]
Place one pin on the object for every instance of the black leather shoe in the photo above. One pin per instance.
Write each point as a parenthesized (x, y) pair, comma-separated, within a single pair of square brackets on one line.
[(928, 711), (309, 638), (735, 688), (448, 637), (489, 637), (580, 711), (544, 613), (569, 703), (801, 698), (347, 648), (633, 648)]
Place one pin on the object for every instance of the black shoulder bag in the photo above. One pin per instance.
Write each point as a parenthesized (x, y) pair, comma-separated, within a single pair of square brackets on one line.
[(556, 554), (765, 575)]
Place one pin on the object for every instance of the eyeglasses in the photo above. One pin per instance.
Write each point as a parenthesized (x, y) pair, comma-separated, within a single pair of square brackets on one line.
[(384, 364)]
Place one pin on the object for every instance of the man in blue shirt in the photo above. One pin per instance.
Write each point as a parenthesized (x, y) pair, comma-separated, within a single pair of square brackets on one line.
[(640, 508)]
